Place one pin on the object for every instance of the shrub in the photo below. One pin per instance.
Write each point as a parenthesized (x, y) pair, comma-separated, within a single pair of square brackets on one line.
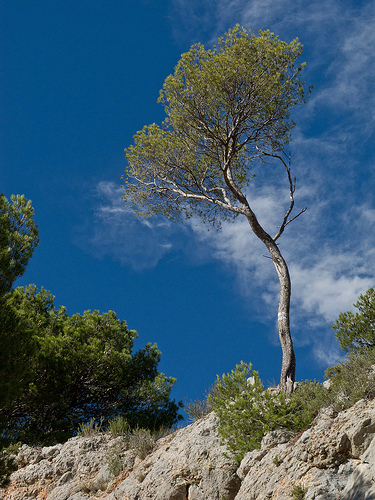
[(119, 426), (312, 396), (247, 412), (7, 466), (352, 379), (298, 492), (349, 381), (90, 428), (115, 459), (199, 408), (142, 441)]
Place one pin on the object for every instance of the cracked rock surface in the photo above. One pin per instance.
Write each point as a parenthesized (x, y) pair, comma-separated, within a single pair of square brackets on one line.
[(332, 460)]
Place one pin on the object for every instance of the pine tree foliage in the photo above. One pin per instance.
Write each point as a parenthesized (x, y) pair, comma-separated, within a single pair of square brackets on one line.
[(18, 238), (82, 367), (357, 331)]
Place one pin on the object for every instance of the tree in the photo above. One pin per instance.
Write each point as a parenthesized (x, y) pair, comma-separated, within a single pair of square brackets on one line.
[(357, 331), (227, 109), (18, 238), (82, 368)]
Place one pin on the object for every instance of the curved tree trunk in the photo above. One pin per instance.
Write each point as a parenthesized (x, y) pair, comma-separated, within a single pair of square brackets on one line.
[(288, 367)]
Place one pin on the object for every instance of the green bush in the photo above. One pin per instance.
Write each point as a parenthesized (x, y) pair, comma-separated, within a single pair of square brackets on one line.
[(119, 426), (352, 379), (7, 466), (298, 492), (247, 412), (142, 441), (115, 459), (90, 428), (312, 396)]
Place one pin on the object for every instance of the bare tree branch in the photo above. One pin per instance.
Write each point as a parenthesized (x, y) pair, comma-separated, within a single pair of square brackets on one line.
[(292, 188)]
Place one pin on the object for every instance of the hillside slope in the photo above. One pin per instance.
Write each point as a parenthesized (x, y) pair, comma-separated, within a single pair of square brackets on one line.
[(334, 459)]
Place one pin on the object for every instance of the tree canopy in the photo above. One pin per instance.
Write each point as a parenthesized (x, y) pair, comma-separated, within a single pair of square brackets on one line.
[(357, 331), (228, 109), (83, 368), (18, 238), (58, 371)]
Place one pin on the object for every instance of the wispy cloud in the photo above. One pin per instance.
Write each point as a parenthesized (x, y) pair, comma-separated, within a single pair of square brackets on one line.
[(328, 274), (338, 39), (284, 17), (115, 232), (330, 248), (329, 266), (328, 271), (349, 69)]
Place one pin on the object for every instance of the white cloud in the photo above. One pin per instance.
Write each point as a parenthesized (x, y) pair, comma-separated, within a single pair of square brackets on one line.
[(326, 277), (330, 261), (115, 232), (324, 290), (326, 352), (328, 272), (351, 72), (330, 248)]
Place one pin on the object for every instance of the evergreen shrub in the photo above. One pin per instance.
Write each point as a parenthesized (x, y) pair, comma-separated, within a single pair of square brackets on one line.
[(247, 411)]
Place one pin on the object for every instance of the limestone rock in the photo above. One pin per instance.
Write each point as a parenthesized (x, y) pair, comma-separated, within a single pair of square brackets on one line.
[(333, 459), (189, 466)]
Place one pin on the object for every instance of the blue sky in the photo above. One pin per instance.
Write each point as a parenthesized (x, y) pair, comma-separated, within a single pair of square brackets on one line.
[(79, 78)]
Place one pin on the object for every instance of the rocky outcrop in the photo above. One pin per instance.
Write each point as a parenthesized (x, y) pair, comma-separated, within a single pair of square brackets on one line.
[(334, 459)]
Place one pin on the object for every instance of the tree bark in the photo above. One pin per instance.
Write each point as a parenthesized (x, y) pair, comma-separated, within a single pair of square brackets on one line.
[(288, 366)]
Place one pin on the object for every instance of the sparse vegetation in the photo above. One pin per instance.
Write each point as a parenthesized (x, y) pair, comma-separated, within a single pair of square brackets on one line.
[(115, 459), (142, 441), (139, 439), (352, 379), (7, 466), (119, 426), (90, 428), (199, 408), (298, 492)]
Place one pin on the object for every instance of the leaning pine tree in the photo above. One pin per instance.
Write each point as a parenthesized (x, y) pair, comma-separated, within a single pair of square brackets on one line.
[(227, 108)]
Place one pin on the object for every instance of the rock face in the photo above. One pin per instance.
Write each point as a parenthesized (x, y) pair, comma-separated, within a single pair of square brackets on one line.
[(333, 460)]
